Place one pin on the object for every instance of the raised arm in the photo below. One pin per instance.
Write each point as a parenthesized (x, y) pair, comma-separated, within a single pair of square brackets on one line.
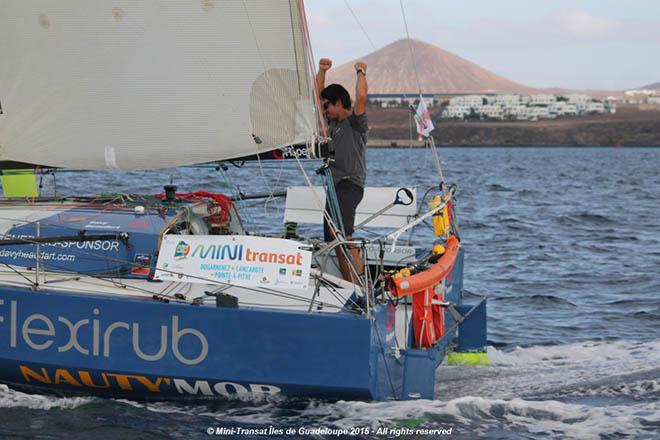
[(324, 65), (361, 88)]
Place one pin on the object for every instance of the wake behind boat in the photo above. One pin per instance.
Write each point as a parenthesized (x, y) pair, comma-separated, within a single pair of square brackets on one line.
[(173, 295)]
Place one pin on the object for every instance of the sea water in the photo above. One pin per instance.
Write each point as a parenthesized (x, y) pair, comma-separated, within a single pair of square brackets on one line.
[(565, 242)]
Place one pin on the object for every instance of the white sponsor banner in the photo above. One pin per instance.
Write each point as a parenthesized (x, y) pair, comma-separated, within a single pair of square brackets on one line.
[(234, 259)]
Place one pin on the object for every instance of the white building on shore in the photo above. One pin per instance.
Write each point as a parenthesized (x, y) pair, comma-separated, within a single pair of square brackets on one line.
[(542, 99), (389, 100), (469, 100), (562, 108), (504, 100), (523, 107)]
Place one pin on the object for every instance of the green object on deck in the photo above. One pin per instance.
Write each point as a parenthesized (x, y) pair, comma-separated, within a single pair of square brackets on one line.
[(19, 183), (458, 358)]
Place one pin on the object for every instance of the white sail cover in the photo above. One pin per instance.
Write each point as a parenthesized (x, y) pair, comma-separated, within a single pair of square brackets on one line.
[(137, 84)]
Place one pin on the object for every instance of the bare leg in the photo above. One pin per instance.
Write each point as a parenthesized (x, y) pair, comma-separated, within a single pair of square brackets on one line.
[(344, 265)]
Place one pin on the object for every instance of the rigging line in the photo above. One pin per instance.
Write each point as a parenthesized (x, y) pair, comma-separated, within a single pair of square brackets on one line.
[(293, 297), (176, 285), (210, 281), (373, 46), (258, 290), (268, 185), (419, 87), (327, 216), (319, 281), (311, 67), (208, 301), (32, 283), (271, 188), (117, 283), (382, 352), (410, 129), (410, 45), (99, 257), (334, 292), (211, 301), (338, 296), (277, 185), (430, 142), (247, 163), (119, 260), (240, 202), (111, 281), (125, 286)]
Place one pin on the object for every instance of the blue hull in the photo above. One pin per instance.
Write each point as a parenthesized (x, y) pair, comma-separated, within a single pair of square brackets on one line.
[(140, 348)]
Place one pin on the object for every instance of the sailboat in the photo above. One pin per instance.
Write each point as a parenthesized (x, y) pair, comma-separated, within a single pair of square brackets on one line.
[(171, 296)]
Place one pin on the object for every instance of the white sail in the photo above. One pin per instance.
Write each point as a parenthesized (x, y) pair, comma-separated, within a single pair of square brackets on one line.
[(135, 84)]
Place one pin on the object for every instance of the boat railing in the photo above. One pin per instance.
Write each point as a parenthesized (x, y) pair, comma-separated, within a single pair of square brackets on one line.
[(394, 236), (329, 247)]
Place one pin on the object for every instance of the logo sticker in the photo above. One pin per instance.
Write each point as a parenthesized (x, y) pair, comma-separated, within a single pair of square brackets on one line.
[(182, 250), (142, 264), (237, 260)]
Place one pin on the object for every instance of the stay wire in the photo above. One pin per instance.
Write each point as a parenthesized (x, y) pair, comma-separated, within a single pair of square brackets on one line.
[(373, 46), (328, 218), (410, 45)]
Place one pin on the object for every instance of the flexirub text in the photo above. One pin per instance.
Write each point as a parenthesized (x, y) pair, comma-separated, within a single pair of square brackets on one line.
[(40, 332)]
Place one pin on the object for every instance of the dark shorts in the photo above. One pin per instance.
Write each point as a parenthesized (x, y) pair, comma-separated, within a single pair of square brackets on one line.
[(349, 196)]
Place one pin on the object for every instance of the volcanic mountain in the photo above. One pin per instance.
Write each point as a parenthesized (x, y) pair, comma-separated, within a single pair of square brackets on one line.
[(390, 70)]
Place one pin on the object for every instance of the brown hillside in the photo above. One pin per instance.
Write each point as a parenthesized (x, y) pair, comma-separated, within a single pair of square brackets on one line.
[(390, 70)]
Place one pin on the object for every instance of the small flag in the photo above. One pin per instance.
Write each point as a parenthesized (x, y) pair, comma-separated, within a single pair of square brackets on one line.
[(423, 119)]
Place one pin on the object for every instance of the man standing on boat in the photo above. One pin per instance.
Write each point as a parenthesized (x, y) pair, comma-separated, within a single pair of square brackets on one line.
[(348, 141)]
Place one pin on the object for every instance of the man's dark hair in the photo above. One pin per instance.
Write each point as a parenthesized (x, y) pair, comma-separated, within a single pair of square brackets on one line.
[(334, 93)]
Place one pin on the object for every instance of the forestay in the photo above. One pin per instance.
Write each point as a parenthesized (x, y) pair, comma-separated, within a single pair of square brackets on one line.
[(124, 84)]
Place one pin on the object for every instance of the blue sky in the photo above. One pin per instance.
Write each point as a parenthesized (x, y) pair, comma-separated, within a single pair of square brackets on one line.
[(597, 44)]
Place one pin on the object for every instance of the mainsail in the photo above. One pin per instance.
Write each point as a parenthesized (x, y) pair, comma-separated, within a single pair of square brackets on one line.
[(126, 84)]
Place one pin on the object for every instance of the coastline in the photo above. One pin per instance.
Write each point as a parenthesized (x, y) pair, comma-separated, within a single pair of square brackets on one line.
[(381, 144), (629, 127)]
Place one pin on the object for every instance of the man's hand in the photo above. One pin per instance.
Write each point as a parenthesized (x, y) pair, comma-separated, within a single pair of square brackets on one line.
[(325, 64), (361, 96)]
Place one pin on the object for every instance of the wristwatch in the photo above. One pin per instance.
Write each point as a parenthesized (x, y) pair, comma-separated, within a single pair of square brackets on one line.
[(361, 71)]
